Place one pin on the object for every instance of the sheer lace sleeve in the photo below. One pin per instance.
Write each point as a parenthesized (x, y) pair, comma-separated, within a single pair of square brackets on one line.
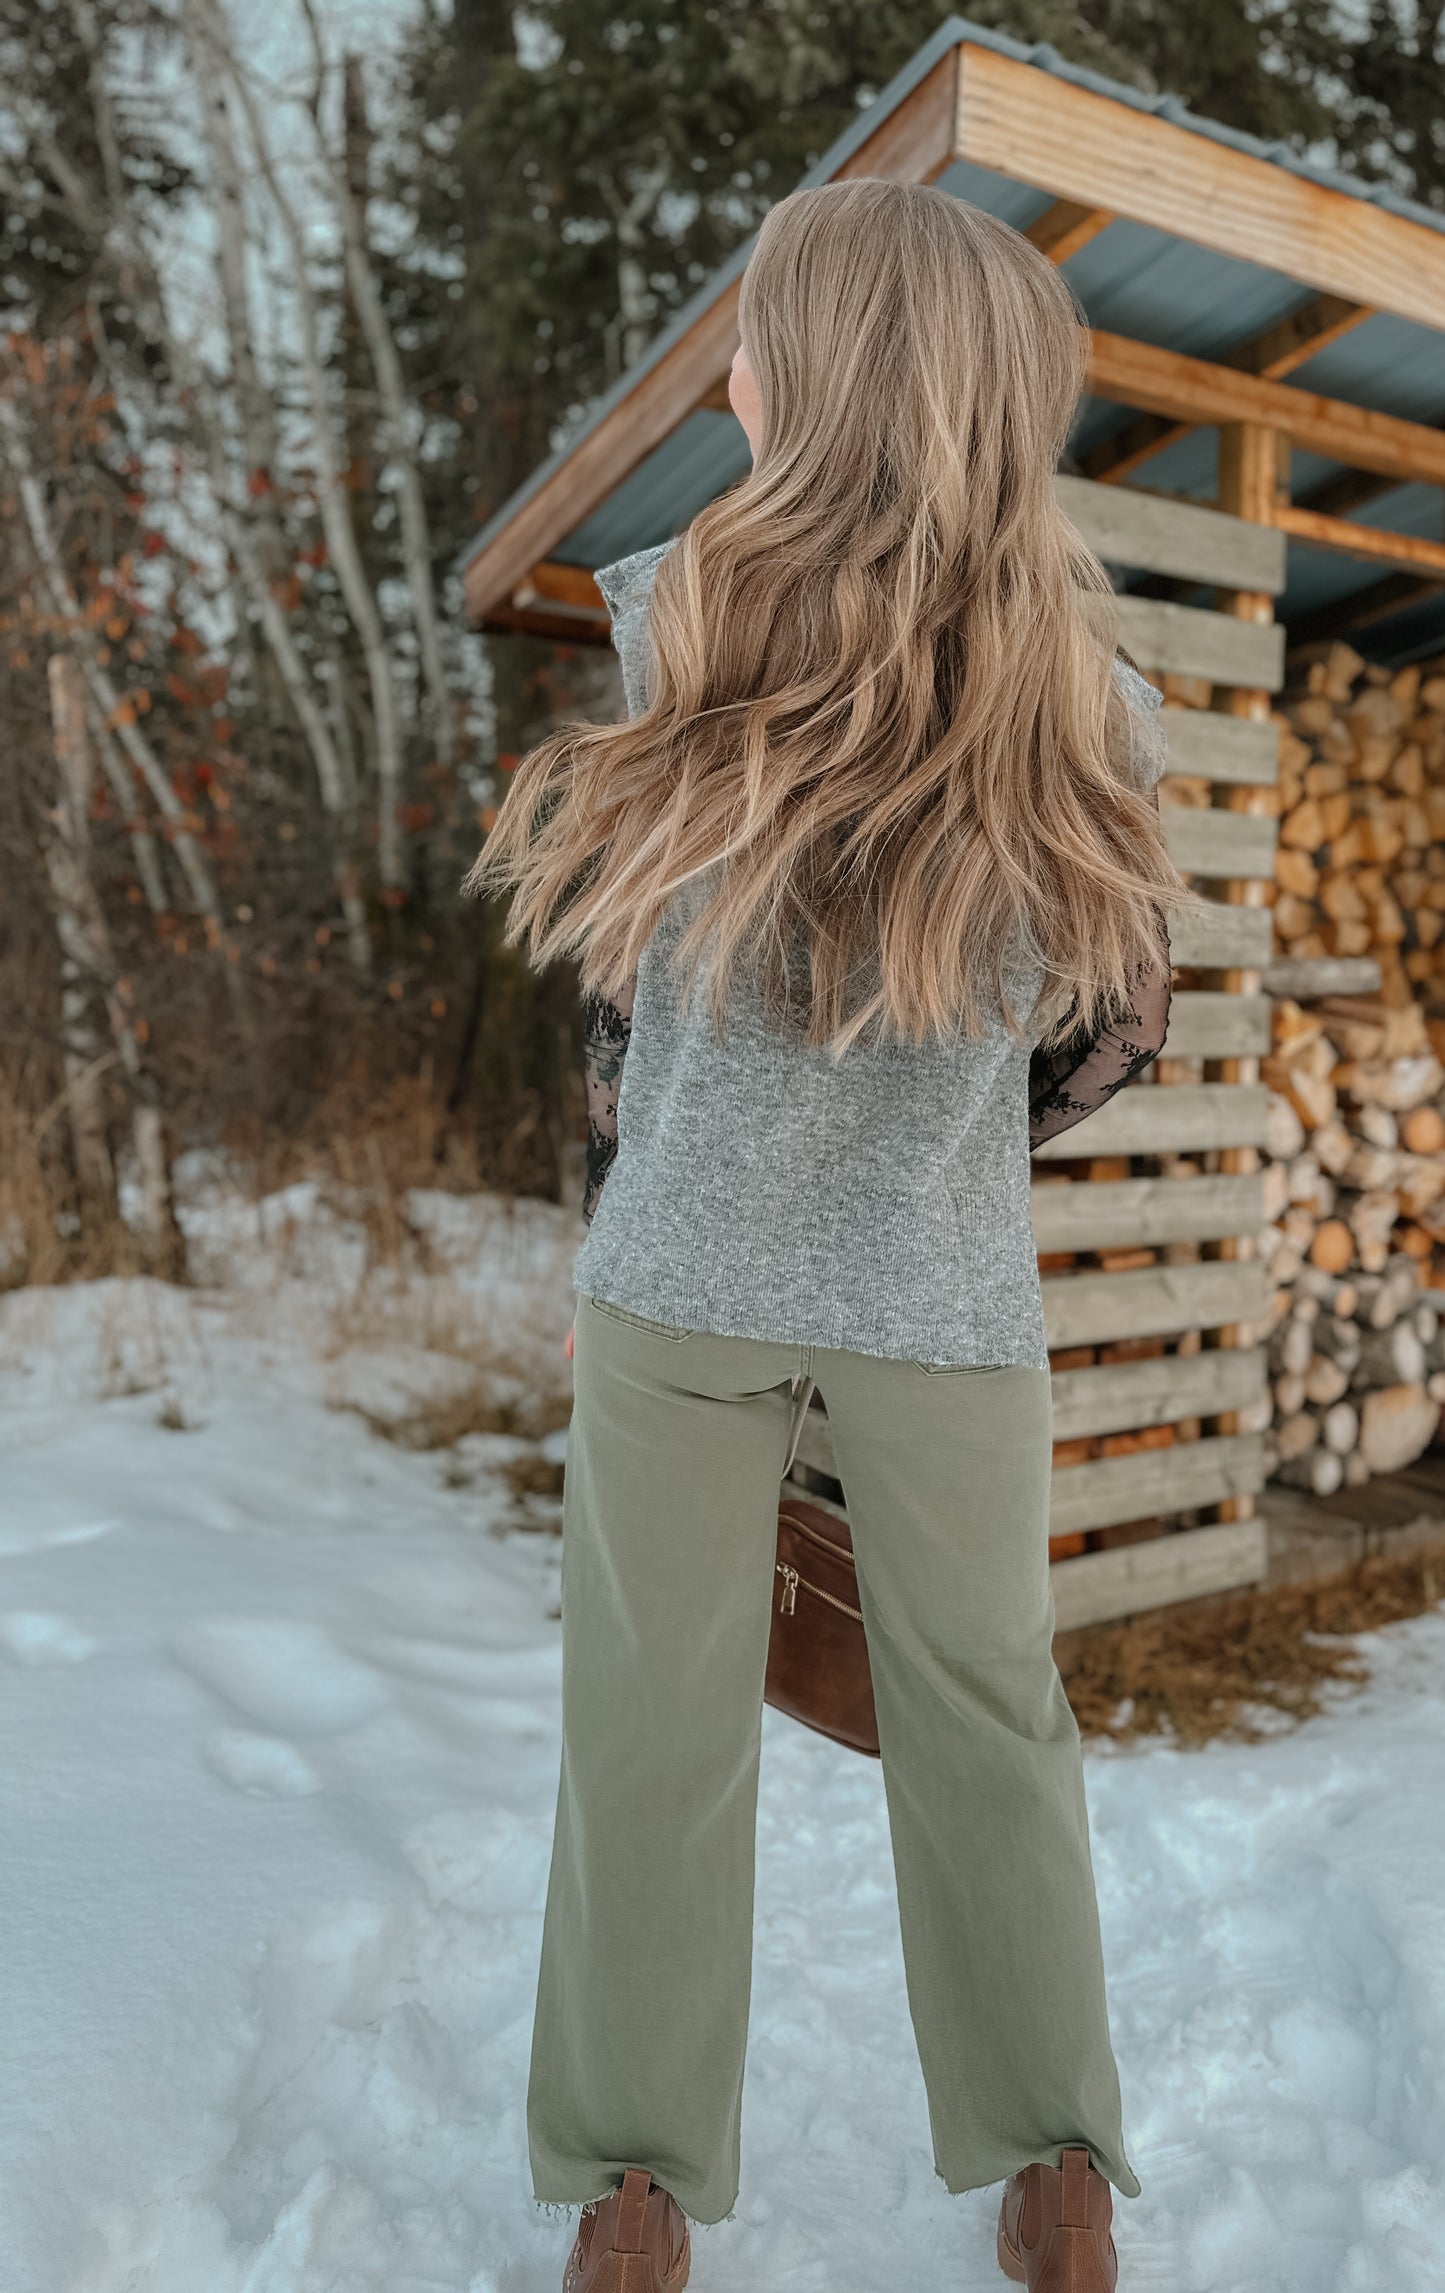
[(626, 587), (1079, 1073), (607, 1031), (1084, 1069)]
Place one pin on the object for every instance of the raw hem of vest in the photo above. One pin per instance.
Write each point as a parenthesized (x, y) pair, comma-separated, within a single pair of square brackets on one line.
[(705, 1317)]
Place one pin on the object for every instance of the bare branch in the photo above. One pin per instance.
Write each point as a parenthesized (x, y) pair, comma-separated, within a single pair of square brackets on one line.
[(122, 239), (210, 31), (118, 713), (400, 428)]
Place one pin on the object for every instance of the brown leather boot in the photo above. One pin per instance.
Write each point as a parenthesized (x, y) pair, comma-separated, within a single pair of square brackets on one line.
[(1053, 2229), (635, 2241)]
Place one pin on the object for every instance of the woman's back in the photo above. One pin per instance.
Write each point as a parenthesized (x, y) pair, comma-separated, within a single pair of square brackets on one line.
[(763, 1187)]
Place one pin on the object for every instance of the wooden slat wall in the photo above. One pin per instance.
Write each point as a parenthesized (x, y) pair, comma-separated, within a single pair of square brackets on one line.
[(1158, 1301), (1097, 1586), (1122, 1395), (1144, 1211), (1156, 535), (1205, 746), (1207, 1024), (1222, 939), (1157, 1375), (1181, 641), (1220, 844), (1163, 1400), (1147, 1119)]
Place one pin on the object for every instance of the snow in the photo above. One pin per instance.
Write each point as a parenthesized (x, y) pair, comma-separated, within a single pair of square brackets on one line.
[(279, 1703)]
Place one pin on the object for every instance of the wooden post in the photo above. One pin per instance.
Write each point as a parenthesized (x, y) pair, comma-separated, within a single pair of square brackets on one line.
[(1251, 459)]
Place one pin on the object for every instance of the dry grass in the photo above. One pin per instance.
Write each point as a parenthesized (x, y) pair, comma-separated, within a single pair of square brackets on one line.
[(485, 1380), (1201, 1673), (42, 1237), (535, 1476), (389, 1137), (443, 1422)]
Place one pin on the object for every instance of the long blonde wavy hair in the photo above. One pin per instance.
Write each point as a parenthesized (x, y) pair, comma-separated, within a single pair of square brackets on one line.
[(883, 739)]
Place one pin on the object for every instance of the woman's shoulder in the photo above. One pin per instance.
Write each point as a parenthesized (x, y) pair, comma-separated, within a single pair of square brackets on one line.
[(1148, 752), (627, 581), (626, 586)]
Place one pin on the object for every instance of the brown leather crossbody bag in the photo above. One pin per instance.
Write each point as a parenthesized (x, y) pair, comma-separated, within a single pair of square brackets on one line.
[(817, 1654)]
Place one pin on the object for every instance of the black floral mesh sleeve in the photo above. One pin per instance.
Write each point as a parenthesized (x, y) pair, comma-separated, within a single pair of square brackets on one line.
[(1084, 1069), (607, 1031)]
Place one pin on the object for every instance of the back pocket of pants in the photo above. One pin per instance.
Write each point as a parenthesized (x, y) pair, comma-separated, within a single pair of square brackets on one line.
[(637, 1321)]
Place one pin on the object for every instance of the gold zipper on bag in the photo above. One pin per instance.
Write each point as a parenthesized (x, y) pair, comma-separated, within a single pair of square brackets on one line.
[(789, 1601)]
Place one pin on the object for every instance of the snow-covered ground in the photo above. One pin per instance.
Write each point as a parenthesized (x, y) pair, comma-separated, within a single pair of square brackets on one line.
[(278, 1702)]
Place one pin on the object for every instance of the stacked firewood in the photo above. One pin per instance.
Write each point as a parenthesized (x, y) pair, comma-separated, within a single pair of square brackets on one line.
[(1361, 863), (1355, 1180)]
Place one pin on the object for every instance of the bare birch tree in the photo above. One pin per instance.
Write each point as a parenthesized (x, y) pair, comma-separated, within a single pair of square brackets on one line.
[(117, 709), (209, 33), (91, 985), (251, 524), (401, 420)]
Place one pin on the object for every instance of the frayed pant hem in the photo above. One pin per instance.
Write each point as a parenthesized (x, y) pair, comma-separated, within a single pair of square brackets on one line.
[(1123, 2181), (567, 2208)]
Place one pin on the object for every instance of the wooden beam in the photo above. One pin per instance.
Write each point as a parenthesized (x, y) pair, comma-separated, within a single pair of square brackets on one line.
[(554, 622), (1097, 1586), (1272, 355), (1306, 976), (607, 453), (1363, 608), (1195, 391), (1216, 843), (1185, 641), (1066, 227), (915, 143), (1346, 490), (1118, 1397), (1220, 937), (912, 145), (1206, 746), (1249, 487), (1302, 334), (1372, 543), (1206, 1023), (1155, 1481), (572, 587), (1146, 1118), (1105, 1214), (1098, 1309), (1156, 533), (1117, 458), (1067, 140)]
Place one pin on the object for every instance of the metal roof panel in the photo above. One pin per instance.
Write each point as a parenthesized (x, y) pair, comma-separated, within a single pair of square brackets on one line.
[(955, 32), (1130, 280)]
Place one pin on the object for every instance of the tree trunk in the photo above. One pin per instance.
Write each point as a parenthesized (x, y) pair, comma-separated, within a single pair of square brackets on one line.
[(89, 961), (80, 929)]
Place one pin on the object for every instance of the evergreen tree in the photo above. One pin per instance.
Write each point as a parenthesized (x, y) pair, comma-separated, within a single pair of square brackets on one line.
[(585, 167), (1390, 122)]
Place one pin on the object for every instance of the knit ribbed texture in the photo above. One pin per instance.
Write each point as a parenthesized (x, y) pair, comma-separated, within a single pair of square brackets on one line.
[(879, 1203)]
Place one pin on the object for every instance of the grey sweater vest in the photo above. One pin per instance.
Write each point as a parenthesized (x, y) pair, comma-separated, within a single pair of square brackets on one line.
[(880, 1203)]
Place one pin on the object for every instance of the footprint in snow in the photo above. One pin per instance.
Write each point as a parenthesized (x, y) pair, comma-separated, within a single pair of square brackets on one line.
[(28, 1636), (261, 1765), (284, 1676)]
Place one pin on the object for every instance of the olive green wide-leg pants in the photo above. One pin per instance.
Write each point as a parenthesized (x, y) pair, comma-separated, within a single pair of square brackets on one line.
[(670, 1518)]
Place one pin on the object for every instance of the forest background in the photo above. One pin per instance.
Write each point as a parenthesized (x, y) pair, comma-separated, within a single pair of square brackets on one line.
[(280, 326)]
